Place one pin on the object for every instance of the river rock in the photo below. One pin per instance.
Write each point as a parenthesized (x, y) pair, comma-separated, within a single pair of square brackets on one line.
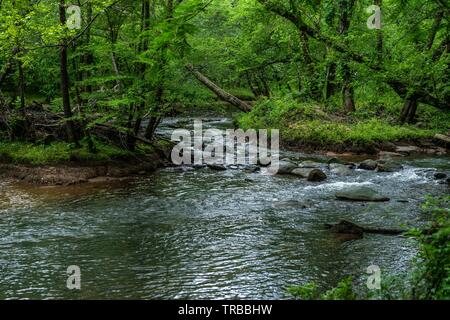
[(317, 175), (286, 167), (217, 167), (311, 165), (389, 166), (361, 194), (252, 169), (407, 150), (440, 176), (340, 169), (288, 160), (301, 172), (346, 227), (370, 165)]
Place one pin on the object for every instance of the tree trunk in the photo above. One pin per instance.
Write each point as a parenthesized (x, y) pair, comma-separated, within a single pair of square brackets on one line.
[(330, 86), (265, 84), (398, 84), (348, 91), (21, 86), (65, 85), (222, 94), (255, 90), (346, 6), (155, 120), (88, 57), (408, 114), (379, 38)]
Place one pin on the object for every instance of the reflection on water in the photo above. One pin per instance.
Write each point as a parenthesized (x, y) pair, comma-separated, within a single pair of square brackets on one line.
[(198, 234), (202, 234)]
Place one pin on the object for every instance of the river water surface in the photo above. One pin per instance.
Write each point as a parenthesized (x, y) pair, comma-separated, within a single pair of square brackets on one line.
[(203, 234)]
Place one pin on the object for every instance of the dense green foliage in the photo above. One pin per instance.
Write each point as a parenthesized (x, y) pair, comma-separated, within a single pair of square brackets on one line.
[(429, 279), (57, 152), (311, 124), (124, 66)]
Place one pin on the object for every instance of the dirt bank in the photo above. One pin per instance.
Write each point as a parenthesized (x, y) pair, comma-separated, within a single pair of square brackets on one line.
[(71, 173)]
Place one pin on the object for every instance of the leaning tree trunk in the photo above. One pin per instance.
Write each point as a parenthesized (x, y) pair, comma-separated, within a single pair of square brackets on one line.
[(222, 94)]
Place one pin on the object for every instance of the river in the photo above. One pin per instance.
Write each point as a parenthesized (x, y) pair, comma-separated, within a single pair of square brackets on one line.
[(202, 234)]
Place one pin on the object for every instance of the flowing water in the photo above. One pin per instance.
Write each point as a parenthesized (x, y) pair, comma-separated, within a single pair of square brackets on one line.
[(203, 234)]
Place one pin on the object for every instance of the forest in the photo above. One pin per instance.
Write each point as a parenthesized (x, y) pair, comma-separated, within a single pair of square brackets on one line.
[(312, 67), (90, 88)]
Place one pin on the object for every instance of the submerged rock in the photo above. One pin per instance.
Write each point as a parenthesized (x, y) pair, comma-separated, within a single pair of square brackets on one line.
[(440, 176), (361, 194), (346, 227), (370, 165), (350, 228)]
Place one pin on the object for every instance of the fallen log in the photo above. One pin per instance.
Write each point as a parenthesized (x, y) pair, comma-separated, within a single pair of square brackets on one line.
[(219, 92), (346, 227)]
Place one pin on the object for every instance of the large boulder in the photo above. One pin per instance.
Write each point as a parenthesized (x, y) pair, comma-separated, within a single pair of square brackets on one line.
[(361, 194), (370, 165)]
